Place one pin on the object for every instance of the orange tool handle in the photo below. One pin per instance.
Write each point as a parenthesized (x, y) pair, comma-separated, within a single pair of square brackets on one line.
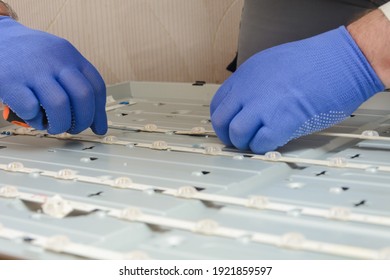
[(10, 116)]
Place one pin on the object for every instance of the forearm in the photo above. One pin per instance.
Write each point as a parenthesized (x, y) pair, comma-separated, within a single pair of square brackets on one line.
[(3, 9), (6, 10), (372, 34)]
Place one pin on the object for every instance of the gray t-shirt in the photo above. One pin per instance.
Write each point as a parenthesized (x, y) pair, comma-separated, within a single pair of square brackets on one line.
[(267, 23)]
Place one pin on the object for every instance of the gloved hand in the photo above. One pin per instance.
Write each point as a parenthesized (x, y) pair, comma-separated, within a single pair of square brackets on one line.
[(293, 90), (37, 70)]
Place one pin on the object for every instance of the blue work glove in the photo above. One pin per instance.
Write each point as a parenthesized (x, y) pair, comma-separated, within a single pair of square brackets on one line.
[(39, 70), (293, 90)]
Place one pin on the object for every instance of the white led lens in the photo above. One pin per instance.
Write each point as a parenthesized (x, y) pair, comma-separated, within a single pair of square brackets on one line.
[(338, 162), (292, 240), (130, 214), (212, 150), (370, 133), (56, 207), (9, 192), (186, 192), (150, 127), (206, 226), (259, 202), (160, 145), (66, 174), (123, 182), (15, 166), (110, 139), (273, 156), (339, 213)]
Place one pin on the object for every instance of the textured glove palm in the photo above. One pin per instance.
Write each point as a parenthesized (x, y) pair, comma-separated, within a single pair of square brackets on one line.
[(293, 90), (39, 70)]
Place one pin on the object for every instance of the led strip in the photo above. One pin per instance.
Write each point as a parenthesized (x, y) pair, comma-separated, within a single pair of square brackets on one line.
[(366, 135), (189, 192), (336, 162), (198, 131), (62, 244), (201, 131), (209, 227)]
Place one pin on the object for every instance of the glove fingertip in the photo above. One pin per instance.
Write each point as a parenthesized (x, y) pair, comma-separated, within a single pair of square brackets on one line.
[(100, 126), (264, 141), (99, 129)]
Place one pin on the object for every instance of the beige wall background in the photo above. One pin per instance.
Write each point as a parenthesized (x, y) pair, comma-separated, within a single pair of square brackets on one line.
[(144, 40)]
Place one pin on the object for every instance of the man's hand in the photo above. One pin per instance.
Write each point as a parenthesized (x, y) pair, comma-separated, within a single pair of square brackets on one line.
[(44, 74), (293, 90)]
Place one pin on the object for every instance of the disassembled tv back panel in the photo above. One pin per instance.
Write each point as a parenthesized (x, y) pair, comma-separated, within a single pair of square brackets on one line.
[(160, 185)]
